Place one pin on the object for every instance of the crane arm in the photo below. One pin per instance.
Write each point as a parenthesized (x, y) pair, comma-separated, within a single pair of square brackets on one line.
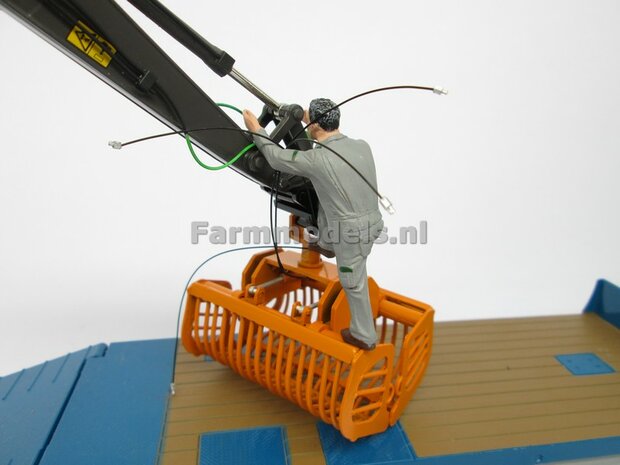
[(102, 38)]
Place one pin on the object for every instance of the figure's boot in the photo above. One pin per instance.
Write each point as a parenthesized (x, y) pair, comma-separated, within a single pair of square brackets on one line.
[(350, 339)]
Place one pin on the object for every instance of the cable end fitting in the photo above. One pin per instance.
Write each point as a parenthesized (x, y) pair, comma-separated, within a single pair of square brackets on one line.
[(440, 91), (387, 205), (115, 144)]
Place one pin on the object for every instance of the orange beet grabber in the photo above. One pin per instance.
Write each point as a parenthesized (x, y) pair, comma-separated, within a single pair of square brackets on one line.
[(282, 331)]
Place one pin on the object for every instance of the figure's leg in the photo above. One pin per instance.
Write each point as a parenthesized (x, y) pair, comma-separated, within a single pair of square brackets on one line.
[(352, 273), (362, 325)]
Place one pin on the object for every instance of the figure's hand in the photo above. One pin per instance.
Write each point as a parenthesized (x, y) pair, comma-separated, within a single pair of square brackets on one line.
[(251, 122), (306, 118)]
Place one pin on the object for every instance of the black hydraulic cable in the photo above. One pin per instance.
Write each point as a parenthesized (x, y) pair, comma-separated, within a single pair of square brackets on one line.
[(189, 131), (318, 117), (273, 219), (372, 91)]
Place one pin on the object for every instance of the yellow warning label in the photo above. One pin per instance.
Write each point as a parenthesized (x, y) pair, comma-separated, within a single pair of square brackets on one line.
[(93, 45)]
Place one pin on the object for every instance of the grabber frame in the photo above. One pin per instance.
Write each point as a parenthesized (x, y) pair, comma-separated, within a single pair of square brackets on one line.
[(282, 331)]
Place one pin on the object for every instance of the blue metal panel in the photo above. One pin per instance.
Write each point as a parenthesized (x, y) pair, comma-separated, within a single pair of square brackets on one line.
[(31, 402), (255, 446), (117, 411), (387, 448), (605, 301), (584, 364), (393, 447), (530, 455)]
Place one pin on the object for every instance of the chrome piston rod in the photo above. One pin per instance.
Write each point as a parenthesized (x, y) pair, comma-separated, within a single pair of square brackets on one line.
[(253, 89)]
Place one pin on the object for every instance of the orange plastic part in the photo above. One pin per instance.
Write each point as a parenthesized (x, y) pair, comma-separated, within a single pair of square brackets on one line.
[(283, 332)]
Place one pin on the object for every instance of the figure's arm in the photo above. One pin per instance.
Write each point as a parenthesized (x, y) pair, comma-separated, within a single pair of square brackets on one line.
[(286, 160)]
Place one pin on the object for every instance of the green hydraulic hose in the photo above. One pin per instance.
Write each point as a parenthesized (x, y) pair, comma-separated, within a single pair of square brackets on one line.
[(220, 167), (228, 163), (228, 105)]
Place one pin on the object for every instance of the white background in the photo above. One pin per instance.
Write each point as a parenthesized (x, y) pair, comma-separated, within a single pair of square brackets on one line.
[(516, 171)]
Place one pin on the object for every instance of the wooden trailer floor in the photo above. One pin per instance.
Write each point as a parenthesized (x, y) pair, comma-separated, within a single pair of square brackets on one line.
[(496, 384), (492, 384)]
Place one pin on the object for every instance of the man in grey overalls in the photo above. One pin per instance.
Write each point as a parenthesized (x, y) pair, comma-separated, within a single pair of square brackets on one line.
[(349, 219)]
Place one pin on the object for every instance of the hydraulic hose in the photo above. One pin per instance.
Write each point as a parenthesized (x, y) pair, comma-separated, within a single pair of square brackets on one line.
[(243, 151)]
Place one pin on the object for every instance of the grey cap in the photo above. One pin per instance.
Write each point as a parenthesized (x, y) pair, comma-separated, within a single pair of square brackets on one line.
[(320, 108)]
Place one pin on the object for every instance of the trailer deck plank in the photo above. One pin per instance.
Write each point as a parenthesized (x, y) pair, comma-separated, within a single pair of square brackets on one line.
[(489, 386)]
